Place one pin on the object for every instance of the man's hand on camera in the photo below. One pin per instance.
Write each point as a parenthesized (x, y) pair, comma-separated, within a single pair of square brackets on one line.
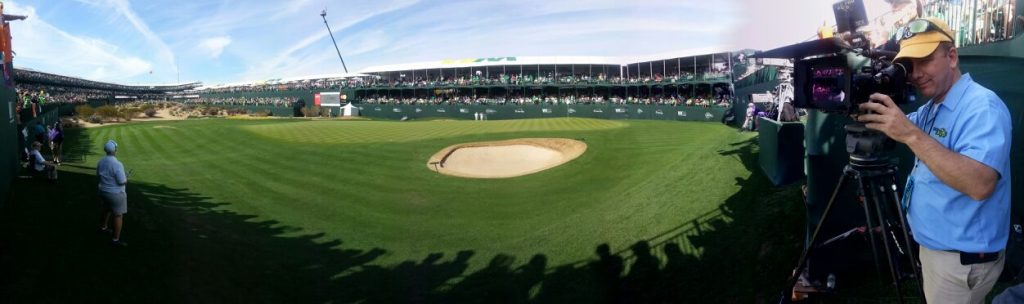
[(883, 115)]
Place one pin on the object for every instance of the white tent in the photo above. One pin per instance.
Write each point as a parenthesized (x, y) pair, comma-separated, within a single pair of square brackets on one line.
[(349, 110)]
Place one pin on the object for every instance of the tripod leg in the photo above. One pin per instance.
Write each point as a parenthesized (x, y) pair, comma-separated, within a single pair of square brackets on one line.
[(801, 263), (876, 200), (914, 262), (866, 204)]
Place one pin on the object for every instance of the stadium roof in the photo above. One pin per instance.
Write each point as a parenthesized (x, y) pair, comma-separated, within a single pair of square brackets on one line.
[(26, 75), (323, 76), (491, 61), (286, 80), (541, 60), (141, 85)]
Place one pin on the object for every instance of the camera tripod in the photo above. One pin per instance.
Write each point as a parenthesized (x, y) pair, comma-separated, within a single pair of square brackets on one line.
[(875, 176)]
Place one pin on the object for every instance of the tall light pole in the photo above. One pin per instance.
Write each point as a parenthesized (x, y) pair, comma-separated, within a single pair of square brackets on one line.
[(323, 14)]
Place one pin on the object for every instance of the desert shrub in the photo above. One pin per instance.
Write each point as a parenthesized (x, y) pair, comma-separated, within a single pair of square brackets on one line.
[(148, 109), (84, 111), (127, 113), (311, 112), (106, 112)]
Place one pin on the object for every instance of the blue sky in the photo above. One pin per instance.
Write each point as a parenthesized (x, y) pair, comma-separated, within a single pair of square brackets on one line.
[(223, 41)]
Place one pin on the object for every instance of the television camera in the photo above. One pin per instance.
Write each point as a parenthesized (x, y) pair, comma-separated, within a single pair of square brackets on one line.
[(835, 75)]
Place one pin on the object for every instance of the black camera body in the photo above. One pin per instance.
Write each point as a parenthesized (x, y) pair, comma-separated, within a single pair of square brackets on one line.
[(840, 82), (832, 76)]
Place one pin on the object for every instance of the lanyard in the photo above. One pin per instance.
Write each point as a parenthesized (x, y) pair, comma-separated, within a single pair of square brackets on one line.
[(929, 123)]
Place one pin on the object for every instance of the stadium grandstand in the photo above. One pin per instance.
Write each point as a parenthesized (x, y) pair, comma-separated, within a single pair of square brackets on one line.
[(673, 86), (52, 88), (675, 80), (694, 80), (703, 80), (29, 76), (691, 80), (40, 91)]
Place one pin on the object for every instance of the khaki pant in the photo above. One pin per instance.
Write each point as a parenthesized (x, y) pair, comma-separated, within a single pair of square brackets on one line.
[(946, 281)]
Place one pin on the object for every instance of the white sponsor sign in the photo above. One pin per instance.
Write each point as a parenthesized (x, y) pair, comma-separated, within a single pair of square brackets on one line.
[(330, 99), (761, 97)]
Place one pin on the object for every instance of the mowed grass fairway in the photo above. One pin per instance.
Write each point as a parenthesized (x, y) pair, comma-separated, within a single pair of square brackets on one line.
[(227, 210)]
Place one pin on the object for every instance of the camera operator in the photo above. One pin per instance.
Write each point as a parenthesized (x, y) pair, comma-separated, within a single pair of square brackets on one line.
[(958, 194)]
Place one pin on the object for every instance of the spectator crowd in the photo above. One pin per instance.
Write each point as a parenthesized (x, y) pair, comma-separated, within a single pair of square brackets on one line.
[(500, 79), (30, 76), (700, 101), (241, 101)]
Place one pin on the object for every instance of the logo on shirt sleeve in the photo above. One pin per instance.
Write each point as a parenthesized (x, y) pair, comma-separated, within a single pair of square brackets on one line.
[(941, 132)]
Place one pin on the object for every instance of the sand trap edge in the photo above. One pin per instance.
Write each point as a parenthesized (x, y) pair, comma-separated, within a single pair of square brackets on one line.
[(569, 148)]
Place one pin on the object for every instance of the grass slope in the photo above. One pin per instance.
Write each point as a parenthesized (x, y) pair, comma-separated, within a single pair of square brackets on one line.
[(346, 211)]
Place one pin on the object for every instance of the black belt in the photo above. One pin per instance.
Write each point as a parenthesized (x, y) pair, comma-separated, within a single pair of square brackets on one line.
[(970, 258)]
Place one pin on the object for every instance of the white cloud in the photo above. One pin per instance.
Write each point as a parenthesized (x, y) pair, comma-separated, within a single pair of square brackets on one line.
[(504, 28), (601, 28), (291, 7), (294, 61), (42, 46), (320, 61), (215, 46), (652, 7), (124, 9), (227, 17)]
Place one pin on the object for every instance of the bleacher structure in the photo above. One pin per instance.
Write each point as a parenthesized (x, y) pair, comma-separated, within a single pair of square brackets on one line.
[(489, 84)]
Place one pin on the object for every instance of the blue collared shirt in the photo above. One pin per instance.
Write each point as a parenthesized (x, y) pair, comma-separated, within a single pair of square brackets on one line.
[(111, 174), (974, 122)]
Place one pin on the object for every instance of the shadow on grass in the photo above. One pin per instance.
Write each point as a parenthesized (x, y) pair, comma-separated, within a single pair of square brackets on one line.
[(73, 151), (185, 249)]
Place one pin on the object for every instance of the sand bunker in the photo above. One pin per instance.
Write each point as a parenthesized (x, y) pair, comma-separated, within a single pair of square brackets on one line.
[(507, 158)]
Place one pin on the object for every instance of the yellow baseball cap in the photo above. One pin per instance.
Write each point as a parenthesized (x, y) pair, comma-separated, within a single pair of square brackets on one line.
[(921, 36)]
